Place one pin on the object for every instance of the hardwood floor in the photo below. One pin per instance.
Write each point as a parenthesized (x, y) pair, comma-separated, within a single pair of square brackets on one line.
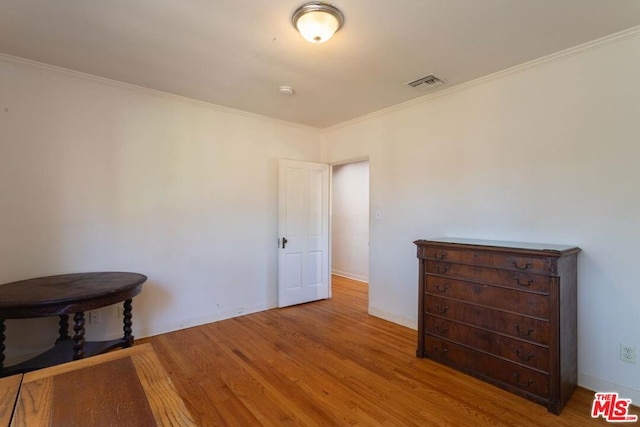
[(330, 363)]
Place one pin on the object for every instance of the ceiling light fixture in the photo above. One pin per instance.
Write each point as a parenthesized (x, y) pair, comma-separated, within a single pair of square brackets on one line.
[(317, 22)]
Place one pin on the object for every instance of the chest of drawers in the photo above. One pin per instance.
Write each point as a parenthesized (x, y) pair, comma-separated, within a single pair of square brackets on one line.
[(503, 312)]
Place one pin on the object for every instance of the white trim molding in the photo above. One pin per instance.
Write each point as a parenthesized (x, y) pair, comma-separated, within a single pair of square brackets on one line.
[(352, 276), (15, 60), (553, 57), (599, 385)]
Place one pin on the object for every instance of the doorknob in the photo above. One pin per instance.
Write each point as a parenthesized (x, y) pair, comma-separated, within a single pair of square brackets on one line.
[(284, 242)]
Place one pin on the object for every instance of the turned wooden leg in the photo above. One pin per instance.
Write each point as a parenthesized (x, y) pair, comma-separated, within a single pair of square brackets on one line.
[(64, 328), (126, 314), (2, 347), (78, 336)]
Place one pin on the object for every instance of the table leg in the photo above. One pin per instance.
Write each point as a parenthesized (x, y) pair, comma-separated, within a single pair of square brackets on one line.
[(64, 328), (126, 314), (2, 347), (78, 336)]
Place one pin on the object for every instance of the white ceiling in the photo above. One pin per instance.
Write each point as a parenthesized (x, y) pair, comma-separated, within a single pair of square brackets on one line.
[(237, 53)]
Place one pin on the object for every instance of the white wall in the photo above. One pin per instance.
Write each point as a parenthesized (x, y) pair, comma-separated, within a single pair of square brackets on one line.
[(547, 153), (350, 220), (100, 176)]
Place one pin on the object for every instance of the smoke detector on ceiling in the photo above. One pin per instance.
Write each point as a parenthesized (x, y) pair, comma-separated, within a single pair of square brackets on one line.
[(426, 82), (286, 90)]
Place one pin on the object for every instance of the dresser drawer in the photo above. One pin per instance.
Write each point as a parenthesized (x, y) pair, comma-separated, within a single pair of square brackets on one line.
[(522, 327), (487, 366), (529, 264), (527, 303), (518, 351), (512, 279)]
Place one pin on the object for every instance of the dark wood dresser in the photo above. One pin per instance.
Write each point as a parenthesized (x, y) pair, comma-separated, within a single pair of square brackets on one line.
[(504, 312)]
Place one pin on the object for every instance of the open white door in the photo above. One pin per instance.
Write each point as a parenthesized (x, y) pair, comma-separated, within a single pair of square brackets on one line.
[(303, 255)]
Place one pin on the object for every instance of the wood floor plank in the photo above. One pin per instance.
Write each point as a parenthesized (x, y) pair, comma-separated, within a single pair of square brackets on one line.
[(34, 404), (167, 407), (9, 387), (330, 363)]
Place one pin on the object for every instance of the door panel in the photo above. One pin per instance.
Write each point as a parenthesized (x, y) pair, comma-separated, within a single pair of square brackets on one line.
[(303, 262)]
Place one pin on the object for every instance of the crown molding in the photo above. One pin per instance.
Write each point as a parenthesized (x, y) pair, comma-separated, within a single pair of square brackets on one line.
[(554, 57), (16, 60), (557, 56)]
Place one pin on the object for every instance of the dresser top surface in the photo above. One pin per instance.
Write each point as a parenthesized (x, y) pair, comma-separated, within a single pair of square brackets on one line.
[(500, 244)]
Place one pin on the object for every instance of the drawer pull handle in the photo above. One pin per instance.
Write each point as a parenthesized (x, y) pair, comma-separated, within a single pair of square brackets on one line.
[(443, 330), (442, 269), (526, 265), (522, 333), (442, 353), (442, 256), (521, 384), (525, 283), (443, 310), (443, 289), (527, 358)]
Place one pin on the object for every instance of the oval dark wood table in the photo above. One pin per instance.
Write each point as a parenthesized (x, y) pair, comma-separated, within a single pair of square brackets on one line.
[(63, 295)]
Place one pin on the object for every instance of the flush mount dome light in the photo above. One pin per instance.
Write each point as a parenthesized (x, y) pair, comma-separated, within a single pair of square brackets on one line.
[(317, 21)]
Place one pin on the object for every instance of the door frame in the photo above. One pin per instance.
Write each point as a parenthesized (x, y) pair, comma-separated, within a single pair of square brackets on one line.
[(340, 163), (330, 217)]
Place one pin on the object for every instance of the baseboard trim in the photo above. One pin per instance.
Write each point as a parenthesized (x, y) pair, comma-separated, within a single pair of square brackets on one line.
[(145, 331), (351, 276), (598, 384), (184, 323), (400, 320)]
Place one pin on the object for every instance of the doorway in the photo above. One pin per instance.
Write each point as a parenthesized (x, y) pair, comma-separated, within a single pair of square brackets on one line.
[(350, 221)]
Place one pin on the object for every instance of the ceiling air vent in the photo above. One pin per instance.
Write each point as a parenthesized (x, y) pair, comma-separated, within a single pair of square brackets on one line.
[(426, 82)]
